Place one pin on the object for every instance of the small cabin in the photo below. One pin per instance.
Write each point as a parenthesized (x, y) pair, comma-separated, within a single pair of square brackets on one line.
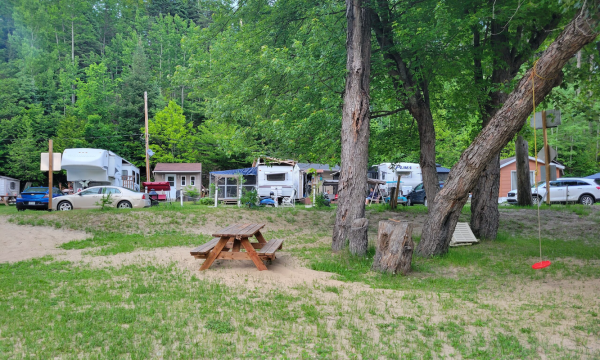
[(508, 174), (179, 176)]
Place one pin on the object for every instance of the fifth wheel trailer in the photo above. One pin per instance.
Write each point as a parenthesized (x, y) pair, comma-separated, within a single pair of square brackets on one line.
[(94, 167)]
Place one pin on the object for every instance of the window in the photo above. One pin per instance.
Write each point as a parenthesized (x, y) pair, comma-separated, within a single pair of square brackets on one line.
[(570, 183), (193, 180), (171, 180), (513, 179), (250, 179), (111, 191), (137, 178), (125, 173), (582, 183), (382, 175), (56, 192), (12, 185), (556, 184), (419, 187), (183, 180), (276, 177), (92, 191)]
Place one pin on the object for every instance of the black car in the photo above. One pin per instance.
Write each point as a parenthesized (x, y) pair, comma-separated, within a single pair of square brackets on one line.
[(417, 196)]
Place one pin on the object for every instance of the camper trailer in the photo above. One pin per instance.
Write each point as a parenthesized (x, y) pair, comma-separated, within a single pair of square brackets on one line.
[(9, 189), (267, 175), (94, 167)]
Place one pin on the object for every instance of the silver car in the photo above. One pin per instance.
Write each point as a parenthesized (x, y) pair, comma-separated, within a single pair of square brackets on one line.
[(90, 198)]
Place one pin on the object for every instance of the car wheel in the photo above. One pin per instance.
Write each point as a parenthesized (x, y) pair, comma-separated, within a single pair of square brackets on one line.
[(586, 200), (425, 202), (64, 206), (124, 205)]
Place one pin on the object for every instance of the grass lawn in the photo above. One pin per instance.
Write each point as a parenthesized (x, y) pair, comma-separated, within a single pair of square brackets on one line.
[(131, 290)]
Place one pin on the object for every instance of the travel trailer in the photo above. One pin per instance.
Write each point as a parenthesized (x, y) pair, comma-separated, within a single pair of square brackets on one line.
[(411, 175), (95, 167), (267, 175)]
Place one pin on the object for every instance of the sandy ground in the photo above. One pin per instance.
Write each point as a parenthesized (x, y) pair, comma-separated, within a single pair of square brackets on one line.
[(19, 243)]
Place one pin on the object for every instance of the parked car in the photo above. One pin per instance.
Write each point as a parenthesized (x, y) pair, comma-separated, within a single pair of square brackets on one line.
[(35, 198), (563, 190), (418, 196), (90, 198)]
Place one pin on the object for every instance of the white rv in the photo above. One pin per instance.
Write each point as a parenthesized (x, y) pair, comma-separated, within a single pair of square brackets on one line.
[(94, 167), (411, 175)]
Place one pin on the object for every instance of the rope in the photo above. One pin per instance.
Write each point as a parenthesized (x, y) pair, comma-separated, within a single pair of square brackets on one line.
[(533, 75)]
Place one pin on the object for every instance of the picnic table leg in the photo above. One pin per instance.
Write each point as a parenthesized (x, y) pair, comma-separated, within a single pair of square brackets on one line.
[(215, 252), (260, 238), (236, 245), (253, 255)]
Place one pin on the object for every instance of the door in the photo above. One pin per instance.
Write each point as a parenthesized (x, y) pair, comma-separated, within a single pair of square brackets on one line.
[(87, 198), (115, 194), (171, 179), (558, 191)]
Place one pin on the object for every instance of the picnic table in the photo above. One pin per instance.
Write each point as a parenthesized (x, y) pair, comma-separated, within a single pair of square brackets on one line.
[(233, 238)]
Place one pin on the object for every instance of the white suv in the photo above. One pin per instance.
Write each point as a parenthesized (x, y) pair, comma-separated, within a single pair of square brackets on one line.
[(563, 190)]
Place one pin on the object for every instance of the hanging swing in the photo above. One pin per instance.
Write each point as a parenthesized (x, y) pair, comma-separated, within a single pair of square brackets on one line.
[(542, 263)]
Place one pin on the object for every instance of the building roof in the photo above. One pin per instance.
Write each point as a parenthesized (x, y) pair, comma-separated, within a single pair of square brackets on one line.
[(306, 166), (510, 160), (178, 167), (244, 171), (9, 178), (595, 176)]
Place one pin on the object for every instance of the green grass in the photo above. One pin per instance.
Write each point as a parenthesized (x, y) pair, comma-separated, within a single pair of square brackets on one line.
[(472, 303)]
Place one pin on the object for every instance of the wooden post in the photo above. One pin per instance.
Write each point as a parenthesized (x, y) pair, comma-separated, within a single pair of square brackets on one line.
[(146, 120), (546, 156), (50, 174)]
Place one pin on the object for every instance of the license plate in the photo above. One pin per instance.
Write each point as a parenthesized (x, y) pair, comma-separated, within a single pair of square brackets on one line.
[(32, 203)]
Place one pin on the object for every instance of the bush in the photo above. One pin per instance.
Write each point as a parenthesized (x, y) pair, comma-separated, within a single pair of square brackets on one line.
[(206, 201), (321, 201), (105, 202), (249, 197), (192, 192)]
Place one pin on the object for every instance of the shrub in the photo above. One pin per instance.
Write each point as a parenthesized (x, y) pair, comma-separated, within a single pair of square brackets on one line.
[(105, 202), (321, 201), (249, 197), (192, 192), (206, 201)]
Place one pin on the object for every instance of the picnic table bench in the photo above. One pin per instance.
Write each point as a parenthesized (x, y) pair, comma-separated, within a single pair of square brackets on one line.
[(233, 238)]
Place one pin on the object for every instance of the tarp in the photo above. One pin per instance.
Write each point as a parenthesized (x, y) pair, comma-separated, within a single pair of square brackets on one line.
[(244, 171), (157, 185), (595, 176)]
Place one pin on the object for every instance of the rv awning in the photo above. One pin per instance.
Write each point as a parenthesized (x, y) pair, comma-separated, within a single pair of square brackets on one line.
[(157, 185), (244, 171), (331, 182)]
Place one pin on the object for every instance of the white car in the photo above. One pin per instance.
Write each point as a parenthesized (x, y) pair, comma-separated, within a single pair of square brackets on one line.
[(563, 190), (89, 198)]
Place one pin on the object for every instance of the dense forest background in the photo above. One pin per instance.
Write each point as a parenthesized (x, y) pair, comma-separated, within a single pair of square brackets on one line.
[(228, 81)]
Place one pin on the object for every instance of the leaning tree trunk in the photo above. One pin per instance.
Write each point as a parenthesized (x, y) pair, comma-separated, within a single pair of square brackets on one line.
[(394, 247), (443, 215), (355, 124), (523, 179)]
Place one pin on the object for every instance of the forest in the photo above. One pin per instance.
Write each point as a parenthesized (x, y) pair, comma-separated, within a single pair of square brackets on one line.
[(231, 80)]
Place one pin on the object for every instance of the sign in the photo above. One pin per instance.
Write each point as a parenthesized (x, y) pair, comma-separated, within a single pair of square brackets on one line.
[(56, 163), (552, 119), (542, 156)]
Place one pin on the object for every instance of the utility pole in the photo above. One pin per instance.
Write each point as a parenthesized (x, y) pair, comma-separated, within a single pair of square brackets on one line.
[(146, 119), (50, 174), (546, 157)]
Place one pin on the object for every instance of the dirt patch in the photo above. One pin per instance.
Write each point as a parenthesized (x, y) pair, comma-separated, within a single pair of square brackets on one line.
[(25, 242)]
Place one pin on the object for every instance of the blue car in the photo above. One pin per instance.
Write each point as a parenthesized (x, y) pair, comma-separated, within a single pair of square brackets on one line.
[(35, 198)]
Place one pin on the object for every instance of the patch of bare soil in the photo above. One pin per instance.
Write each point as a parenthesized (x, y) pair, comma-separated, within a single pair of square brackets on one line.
[(25, 242)]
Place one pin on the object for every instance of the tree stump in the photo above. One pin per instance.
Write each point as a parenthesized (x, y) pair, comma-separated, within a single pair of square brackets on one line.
[(358, 237), (394, 247)]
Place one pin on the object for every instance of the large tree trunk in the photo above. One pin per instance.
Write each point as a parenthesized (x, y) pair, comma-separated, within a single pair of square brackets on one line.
[(355, 124), (523, 180), (422, 113), (359, 240), (443, 215)]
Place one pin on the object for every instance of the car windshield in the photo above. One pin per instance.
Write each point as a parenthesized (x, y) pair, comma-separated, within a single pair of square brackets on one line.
[(36, 189), (539, 184)]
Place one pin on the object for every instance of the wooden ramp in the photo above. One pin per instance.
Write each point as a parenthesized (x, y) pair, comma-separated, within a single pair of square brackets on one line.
[(463, 236)]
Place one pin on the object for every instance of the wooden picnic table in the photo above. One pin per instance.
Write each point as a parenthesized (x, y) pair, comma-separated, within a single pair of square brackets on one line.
[(233, 238)]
